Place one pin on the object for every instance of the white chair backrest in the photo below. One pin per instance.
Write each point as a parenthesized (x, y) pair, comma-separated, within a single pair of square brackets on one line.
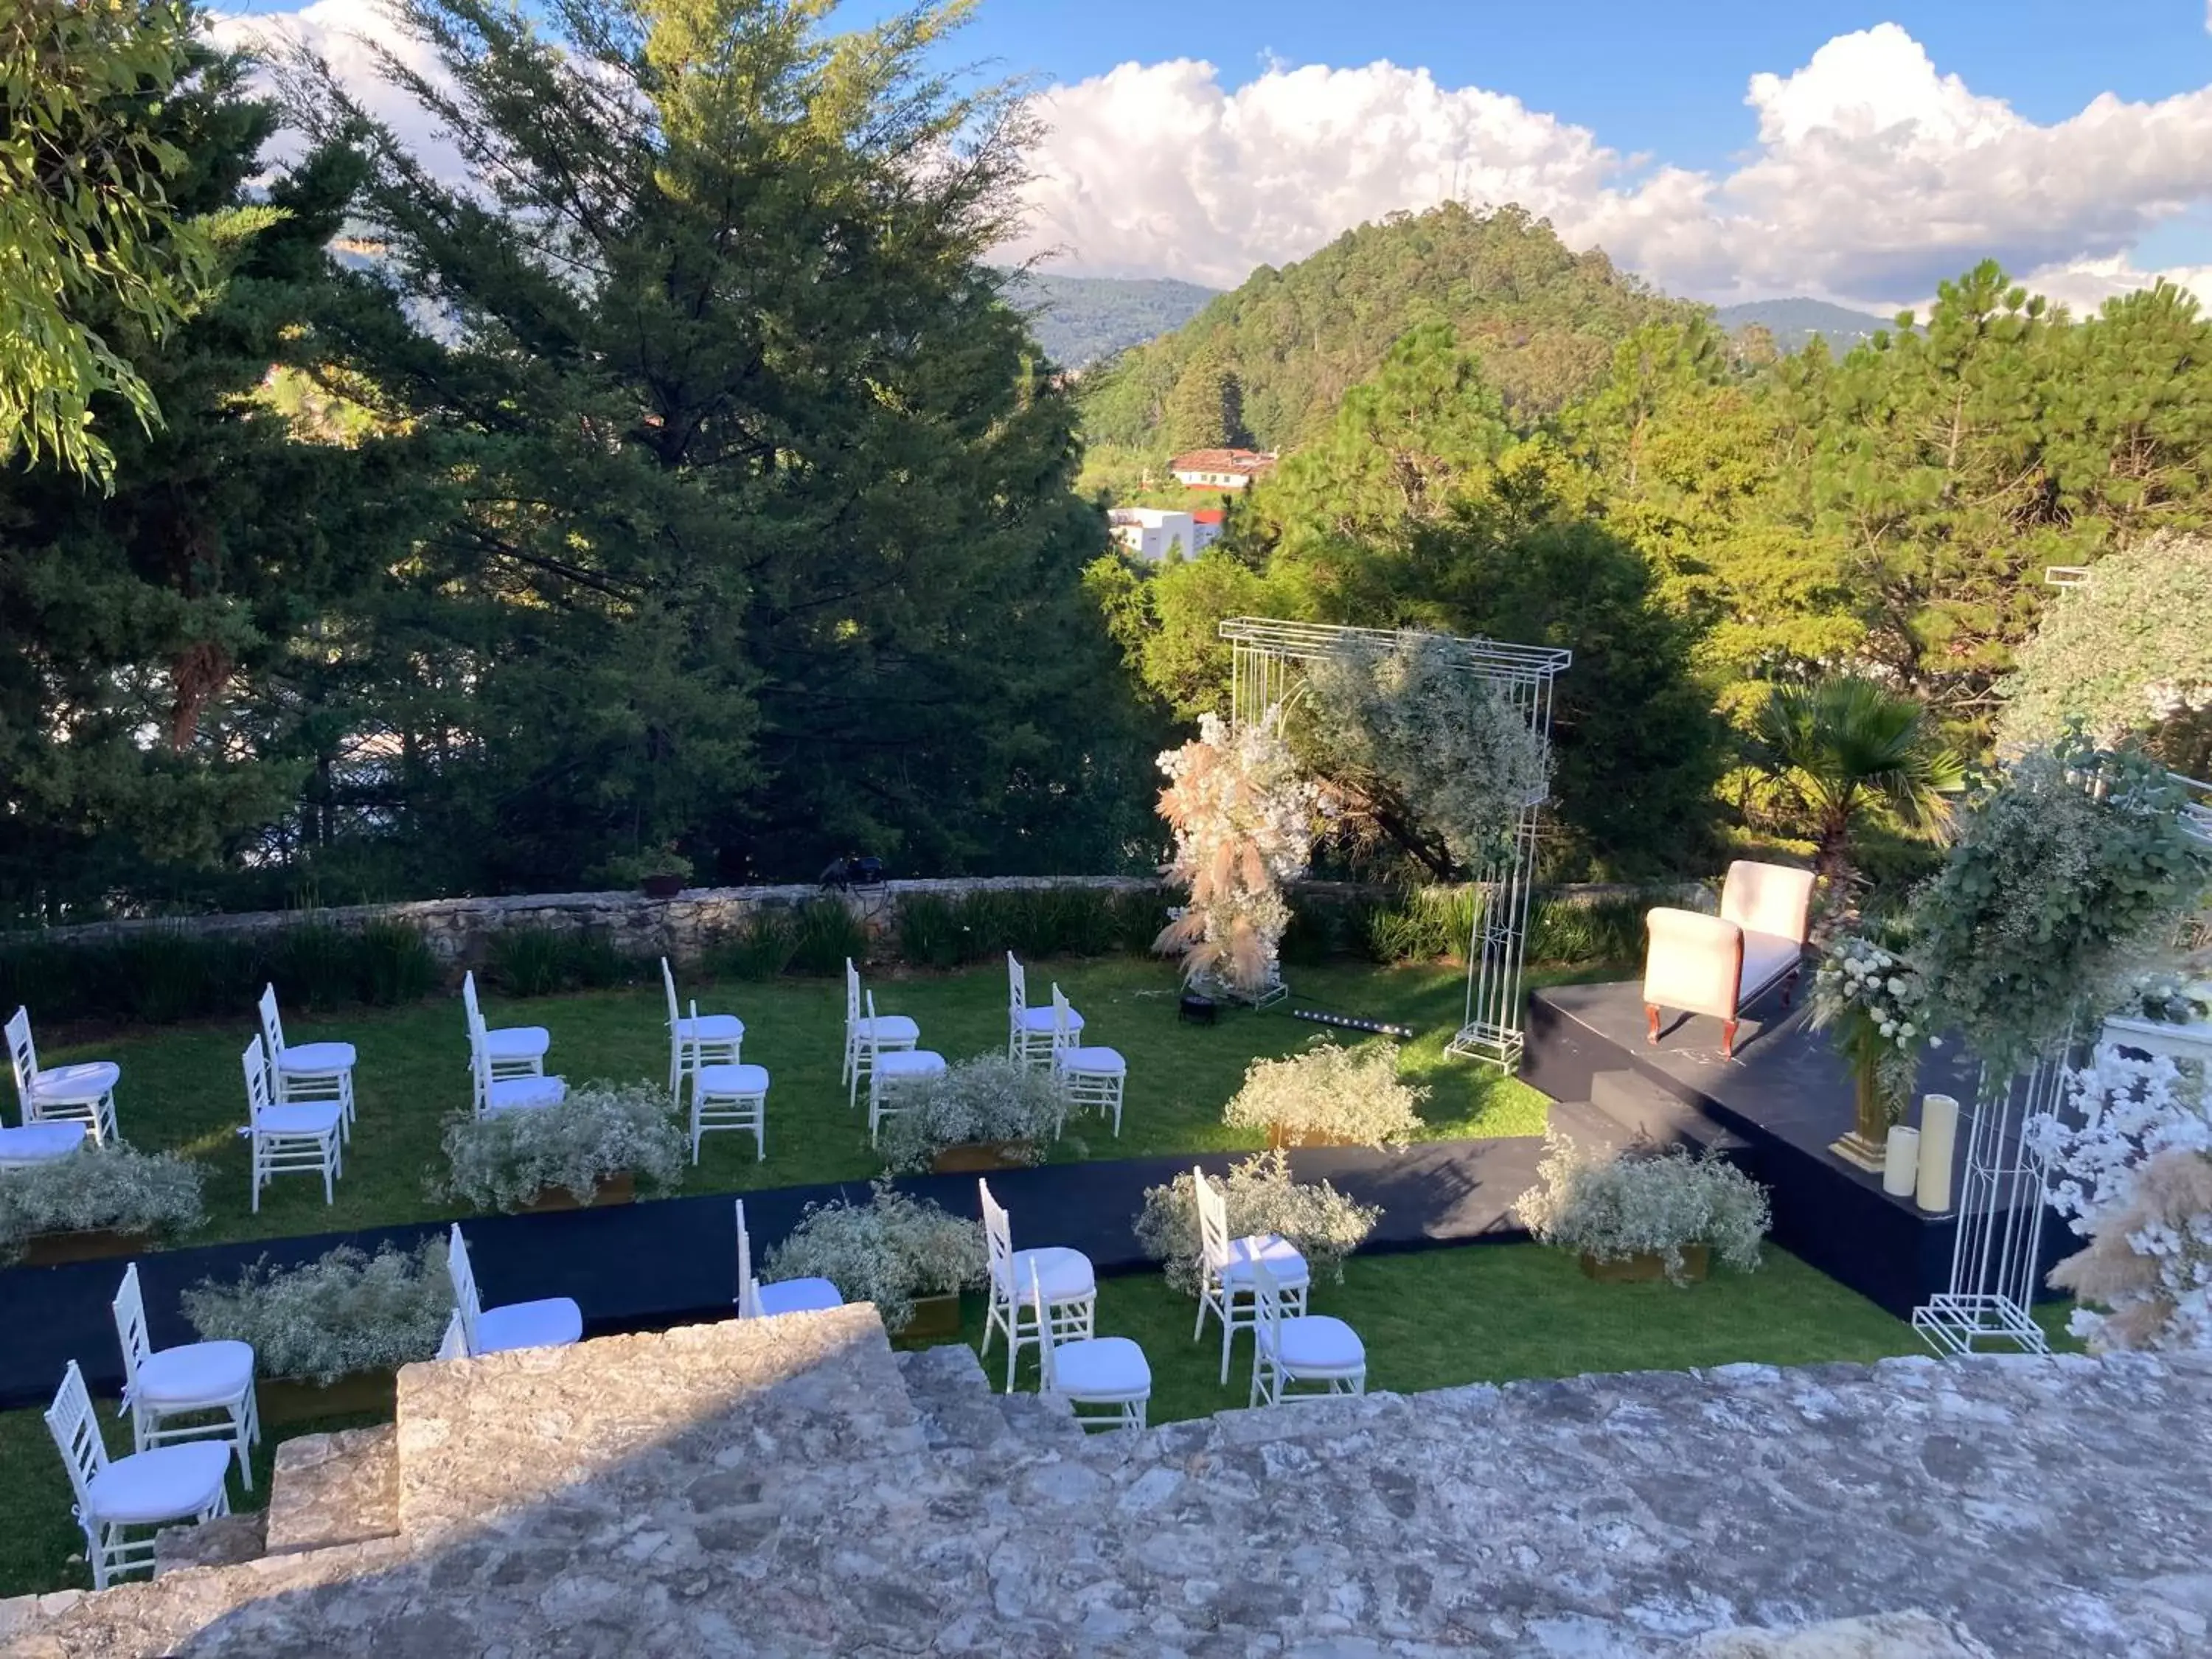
[(748, 1298), (1048, 1367), (466, 1307), (255, 1063), (868, 1037), (454, 1345), (479, 1064), (668, 984), (469, 996), (1767, 899), (22, 1055), (131, 1326), (1017, 988), (998, 1241), (1060, 1035), (1266, 1302), (1212, 1219), (852, 996), (76, 1433), (272, 1024)]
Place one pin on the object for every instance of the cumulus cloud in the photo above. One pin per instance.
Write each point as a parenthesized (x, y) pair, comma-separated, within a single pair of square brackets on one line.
[(1869, 175), (1872, 176)]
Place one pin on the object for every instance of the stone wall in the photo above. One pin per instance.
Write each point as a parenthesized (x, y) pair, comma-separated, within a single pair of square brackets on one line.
[(459, 931)]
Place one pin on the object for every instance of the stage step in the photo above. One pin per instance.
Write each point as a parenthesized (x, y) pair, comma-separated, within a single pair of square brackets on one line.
[(1580, 1121), (1648, 1111)]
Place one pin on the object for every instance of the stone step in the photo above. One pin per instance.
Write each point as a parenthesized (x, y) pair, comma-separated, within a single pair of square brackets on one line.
[(1580, 1121), (331, 1489), (963, 1410), (1651, 1113)]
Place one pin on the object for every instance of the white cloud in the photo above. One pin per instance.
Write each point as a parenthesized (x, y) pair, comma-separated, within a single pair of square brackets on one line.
[(1869, 176), (1872, 177)]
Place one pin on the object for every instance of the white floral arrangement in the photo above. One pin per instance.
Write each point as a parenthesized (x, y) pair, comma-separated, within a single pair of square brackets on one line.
[(1260, 1197), (2130, 1156), (98, 1189), (344, 1312), (1873, 999), (1354, 1095), (1244, 820), (988, 1098), (1596, 1202), (888, 1251), (504, 1159)]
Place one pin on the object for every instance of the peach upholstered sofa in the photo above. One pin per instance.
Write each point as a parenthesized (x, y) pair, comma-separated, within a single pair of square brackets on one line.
[(1719, 965)]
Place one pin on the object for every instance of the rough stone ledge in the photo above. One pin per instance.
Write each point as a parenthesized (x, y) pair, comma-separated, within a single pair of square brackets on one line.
[(331, 1489), (226, 1542)]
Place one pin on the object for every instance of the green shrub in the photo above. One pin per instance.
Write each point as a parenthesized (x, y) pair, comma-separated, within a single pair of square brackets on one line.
[(1261, 1197), (346, 1311), (395, 964), (1423, 924), (1576, 932), (504, 1159), (527, 961), (1139, 916), (932, 932), (1607, 1206), (761, 948), (315, 965), (594, 963), (101, 1188), (989, 1098), (824, 934), (1088, 926)]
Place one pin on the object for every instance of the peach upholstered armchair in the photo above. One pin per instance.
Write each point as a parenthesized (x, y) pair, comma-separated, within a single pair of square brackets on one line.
[(1719, 965)]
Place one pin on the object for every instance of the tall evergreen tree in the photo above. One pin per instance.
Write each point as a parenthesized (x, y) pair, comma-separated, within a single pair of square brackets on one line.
[(768, 544)]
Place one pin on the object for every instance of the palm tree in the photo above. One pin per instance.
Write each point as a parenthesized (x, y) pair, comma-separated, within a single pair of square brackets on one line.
[(1854, 750)]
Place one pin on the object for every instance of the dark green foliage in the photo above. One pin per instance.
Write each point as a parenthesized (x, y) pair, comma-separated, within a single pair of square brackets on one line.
[(163, 975), (1139, 916), (760, 950), (931, 933), (1080, 320), (825, 935), (528, 962), (1573, 931), (1424, 924)]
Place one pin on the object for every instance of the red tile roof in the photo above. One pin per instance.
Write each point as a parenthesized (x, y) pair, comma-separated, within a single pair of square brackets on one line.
[(1248, 461), (1208, 515)]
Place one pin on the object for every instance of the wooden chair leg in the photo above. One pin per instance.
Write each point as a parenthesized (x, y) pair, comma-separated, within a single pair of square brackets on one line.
[(1651, 1022), (1727, 1039), (1789, 987)]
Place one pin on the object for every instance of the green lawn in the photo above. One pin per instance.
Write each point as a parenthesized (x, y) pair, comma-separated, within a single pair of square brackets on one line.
[(1485, 1313), (182, 1090)]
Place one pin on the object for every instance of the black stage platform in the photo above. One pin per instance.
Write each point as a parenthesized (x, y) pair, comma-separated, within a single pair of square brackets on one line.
[(1787, 1095)]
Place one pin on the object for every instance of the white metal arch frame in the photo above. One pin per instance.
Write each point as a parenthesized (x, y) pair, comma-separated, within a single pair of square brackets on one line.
[(1265, 660)]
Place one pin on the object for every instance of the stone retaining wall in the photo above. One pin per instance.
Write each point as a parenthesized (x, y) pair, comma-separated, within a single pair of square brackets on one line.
[(459, 931)]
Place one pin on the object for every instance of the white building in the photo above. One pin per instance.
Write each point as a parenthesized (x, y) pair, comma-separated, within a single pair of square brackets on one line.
[(1221, 468), (1148, 533)]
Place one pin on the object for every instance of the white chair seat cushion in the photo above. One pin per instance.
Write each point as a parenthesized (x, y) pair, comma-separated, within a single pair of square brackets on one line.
[(1041, 1019), (521, 1094), (797, 1296), (316, 1058), (553, 1323), (312, 1118), (1064, 1274), (888, 1028), (1282, 1257), (166, 1484), (1100, 1062), (733, 1079), (1766, 958), (516, 1042), (39, 1143), (711, 1028), (910, 1062), (1317, 1342), (195, 1372), (1102, 1368), (87, 1080)]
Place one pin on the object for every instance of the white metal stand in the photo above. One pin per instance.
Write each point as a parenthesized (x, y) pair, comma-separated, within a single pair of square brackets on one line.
[(1997, 1257), (1264, 663)]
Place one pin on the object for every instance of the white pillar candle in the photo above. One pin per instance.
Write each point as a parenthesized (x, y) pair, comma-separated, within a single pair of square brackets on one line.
[(1939, 1139), (1900, 1164)]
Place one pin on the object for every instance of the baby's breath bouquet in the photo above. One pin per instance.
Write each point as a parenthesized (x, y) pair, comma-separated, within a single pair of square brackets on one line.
[(1871, 997)]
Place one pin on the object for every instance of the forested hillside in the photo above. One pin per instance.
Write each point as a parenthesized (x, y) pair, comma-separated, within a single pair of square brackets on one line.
[(1792, 323), (1267, 363), (1081, 319)]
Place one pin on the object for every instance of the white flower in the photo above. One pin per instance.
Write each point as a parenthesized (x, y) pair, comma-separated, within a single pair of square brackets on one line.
[(1905, 1029), (1897, 987)]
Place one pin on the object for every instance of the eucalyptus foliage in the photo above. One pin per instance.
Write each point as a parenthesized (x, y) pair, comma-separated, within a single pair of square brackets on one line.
[(888, 1251), (2069, 875), (98, 1189), (502, 1160), (1417, 736), (344, 1312), (988, 1098), (1261, 1197)]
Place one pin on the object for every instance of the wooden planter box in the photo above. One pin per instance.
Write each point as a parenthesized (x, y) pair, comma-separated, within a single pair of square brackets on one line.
[(614, 1189), (1281, 1140), (1697, 1262), (983, 1156), (284, 1400), (95, 1244), (934, 1317)]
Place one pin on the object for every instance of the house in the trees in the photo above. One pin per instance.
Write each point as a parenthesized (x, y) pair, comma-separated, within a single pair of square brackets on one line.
[(1221, 468)]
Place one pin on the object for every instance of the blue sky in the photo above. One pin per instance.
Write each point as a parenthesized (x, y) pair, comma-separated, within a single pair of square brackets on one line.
[(1724, 148)]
